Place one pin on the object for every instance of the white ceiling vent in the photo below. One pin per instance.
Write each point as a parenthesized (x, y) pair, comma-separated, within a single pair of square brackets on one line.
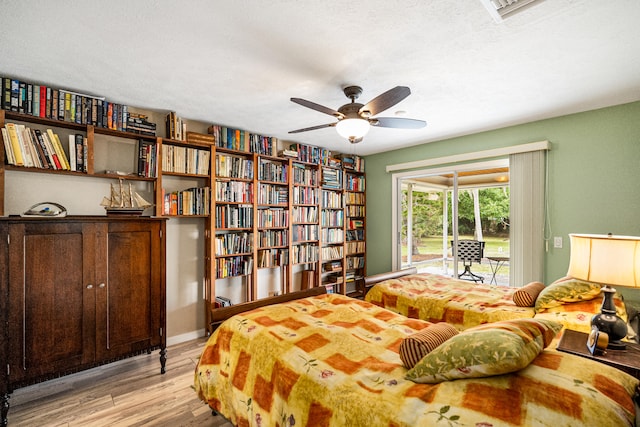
[(502, 9)]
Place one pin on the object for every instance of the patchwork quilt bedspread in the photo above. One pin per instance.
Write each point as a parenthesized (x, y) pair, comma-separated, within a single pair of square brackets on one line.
[(439, 298), (332, 360)]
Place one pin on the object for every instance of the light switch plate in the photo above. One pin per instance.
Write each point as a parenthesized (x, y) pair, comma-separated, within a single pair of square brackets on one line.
[(557, 242)]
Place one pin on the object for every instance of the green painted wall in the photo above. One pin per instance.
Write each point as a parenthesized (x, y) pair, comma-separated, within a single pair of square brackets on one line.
[(594, 174)]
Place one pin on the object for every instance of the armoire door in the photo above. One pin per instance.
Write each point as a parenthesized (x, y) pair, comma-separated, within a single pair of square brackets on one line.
[(52, 316), (128, 295)]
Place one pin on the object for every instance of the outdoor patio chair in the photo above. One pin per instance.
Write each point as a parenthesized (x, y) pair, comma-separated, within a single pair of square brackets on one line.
[(470, 251)]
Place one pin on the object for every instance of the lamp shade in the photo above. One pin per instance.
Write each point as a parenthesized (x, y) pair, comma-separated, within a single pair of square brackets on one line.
[(353, 128), (605, 259)]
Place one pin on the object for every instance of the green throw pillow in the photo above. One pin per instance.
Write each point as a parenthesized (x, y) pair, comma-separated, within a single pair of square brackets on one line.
[(486, 350), (566, 290)]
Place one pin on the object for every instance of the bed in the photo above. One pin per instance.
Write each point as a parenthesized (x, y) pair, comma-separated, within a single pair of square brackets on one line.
[(331, 360), (466, 304)]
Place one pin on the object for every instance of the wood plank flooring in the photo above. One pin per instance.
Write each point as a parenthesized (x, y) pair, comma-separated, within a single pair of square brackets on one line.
[(131, 392)]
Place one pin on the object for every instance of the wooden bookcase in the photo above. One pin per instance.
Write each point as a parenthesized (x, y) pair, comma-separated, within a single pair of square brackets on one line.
[(303, 219)]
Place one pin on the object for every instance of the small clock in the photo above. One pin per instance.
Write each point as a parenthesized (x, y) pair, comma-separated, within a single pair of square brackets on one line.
[(597, 341)]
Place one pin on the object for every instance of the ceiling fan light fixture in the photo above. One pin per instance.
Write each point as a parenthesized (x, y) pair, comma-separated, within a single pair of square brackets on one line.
[(352, 128)]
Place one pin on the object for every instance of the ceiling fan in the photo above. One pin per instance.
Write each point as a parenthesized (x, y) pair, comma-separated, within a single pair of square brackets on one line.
[(355, 119)]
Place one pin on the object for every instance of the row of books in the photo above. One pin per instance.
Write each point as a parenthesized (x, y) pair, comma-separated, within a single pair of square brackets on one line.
[(231, 216), (305, 214), (304, 232), (331, 266), (311, 154), (354, 182), (357, 247), (331, 199), (355, 210), (35, 148), (304, 253), (233, 243), (332, 218), (305, 195), (356, 234), (234, 191), (140, 124), (147, 159), (176, 127), (331, 178), (269, 258), (241, 140), (331, 252), (304, 176), (332, 235), (273, 218), (272, 171), (61, 104), (179, 159), (355, 198), (233, 266), (355, 262), (228, 166), (351, 162), (269, 194), (269, 238), (192, 201)]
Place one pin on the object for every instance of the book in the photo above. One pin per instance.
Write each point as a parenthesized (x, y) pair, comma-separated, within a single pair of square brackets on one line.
[(43, 101), (46, 161), (26, 150), (35, 110), (57, 147), (80, 144), (15, 143), (15, 94), (8, 151), (48, 148), (72, 153), (5, 92), (36, 154)]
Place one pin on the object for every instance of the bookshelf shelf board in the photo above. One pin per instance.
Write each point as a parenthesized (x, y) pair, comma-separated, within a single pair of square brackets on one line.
[(234, 255), (185, 175)]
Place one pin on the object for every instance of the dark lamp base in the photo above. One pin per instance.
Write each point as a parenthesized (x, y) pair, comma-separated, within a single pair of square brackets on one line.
[(607, 321)]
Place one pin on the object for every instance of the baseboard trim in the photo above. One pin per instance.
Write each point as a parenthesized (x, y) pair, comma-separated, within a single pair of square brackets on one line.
[(179, 339)]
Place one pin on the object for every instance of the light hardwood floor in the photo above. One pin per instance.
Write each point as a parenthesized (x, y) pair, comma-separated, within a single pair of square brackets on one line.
[(131, 392)]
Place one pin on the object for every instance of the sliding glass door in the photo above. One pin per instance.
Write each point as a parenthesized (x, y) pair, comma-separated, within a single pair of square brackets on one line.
[(438, 208)]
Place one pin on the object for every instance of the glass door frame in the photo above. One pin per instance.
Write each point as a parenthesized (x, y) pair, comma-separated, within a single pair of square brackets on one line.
[(396, 192)]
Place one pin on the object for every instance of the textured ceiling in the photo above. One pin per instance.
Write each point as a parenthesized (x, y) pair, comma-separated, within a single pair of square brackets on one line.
[(237, 63)]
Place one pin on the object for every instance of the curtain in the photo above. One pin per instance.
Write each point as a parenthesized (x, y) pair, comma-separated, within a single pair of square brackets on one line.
[(527, 217)]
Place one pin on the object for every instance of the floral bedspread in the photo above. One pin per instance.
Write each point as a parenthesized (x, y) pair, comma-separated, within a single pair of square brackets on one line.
[(439, 298), (332, 360)]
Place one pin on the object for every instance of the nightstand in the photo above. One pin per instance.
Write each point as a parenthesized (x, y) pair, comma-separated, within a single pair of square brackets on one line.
[(627, 360)]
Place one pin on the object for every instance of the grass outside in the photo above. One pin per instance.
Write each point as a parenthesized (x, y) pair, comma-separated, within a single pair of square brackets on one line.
[(430, 255)]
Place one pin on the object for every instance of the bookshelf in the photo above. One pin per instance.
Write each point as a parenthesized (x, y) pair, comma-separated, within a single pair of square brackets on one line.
[(302, 218), (272, 225), (332, 225), (355, 232), (305, 214)]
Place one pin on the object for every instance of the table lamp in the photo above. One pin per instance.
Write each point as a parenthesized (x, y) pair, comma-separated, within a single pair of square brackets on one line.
[(610, 261)]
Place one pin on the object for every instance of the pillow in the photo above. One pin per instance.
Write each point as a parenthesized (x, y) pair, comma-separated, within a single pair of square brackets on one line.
[(566, 290), (416, 346), (486, 350), (526, 295)]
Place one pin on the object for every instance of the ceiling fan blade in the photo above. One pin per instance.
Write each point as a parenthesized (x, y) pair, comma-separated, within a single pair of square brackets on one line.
[(328, 125), (386, 100), (317, 107), (397, 123)]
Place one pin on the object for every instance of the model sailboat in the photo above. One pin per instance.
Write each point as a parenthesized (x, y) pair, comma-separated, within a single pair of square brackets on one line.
[(124, 201)]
